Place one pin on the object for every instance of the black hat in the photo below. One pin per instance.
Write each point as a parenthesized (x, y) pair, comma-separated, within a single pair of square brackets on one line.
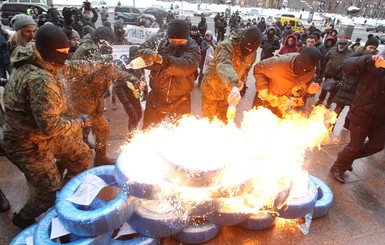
[(307, 59), (250, 40), (372, 41), (48, 39), (178, 29), (103, 33)]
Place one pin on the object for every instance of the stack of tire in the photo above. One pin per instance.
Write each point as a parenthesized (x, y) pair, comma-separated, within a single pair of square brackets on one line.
[(96, 223)]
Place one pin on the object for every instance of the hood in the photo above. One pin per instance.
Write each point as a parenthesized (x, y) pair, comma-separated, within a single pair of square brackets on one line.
[(330, 38), (271, 28), (210, 33), (287, 40), (29, 55)]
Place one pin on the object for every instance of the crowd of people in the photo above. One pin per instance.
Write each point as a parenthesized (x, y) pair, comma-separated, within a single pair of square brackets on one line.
[(59, 73)]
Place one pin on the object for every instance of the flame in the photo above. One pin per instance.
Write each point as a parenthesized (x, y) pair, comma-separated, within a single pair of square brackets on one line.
[(253, 164)]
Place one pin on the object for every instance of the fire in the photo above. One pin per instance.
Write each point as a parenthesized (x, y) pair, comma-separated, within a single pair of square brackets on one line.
[(250, 166)]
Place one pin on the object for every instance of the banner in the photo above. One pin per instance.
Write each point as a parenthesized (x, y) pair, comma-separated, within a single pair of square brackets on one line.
[(139, 34)]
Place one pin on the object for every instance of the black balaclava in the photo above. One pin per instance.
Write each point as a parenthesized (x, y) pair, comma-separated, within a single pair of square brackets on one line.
[(103, 34), (306, 60), (178, 29), (250, 40), (49, 38)]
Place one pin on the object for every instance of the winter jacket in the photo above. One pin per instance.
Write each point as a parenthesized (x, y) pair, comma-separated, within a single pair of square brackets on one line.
[(269, 44), (202, 26), (333, 61), (173, 80), (277, 75), (262, 25), (227, 68), (368, 106), (35, 101), (205, 46), (5, 58), (289, 49)]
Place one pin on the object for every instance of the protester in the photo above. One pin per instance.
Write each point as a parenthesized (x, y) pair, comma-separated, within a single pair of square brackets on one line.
[(104, 14), (53, 15), (333, 61), (120, 34), (287, 76), (173, 60), (36, 130), (227, 72), (85, 93), (25, 28), (366, 114), (289, 45), (202, 26), (262, 25), (207, 42), (5, 59), (195, 35), (270, 43), (221, 28)]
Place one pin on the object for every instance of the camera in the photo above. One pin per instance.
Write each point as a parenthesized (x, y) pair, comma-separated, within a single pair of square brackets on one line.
[(87, 6)]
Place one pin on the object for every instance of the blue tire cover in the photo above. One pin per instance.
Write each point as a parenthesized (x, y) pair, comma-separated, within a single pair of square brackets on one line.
[(196, 234), (137, 189), (93, 222), (225, 217), (324, 198), (299, 207), (140, 240), (20, 238), (259, 221), (153, 224), (202, 209), (43, 232)]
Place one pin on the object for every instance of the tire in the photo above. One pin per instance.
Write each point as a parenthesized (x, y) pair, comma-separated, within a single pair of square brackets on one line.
[(43, 230), (324, 198), (202, 209), (297, 208), (260, 221), (147, 221), (225, 216), (22, 236), (136, 189), (94, 221), (139, 240), (197, 234)]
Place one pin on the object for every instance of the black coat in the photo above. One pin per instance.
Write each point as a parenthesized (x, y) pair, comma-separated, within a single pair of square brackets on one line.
[(368, 106)]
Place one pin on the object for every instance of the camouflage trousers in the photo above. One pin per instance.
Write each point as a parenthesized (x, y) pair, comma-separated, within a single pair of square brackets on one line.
[(214, 108), (43, 164), (101, 130)]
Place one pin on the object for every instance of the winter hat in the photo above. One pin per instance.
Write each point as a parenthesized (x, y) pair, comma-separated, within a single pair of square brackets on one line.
[(103, 33), (178, 29), (307, 59), (194, 28), (250, 40), (88, 30), (48, 39), (75, 34), (20, 20), (372, 41), (343, 40)]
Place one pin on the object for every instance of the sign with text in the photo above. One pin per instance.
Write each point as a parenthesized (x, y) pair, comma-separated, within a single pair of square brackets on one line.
[(139, 34)]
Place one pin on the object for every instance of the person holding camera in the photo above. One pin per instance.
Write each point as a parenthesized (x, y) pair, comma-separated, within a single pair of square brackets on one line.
[(38, 138)]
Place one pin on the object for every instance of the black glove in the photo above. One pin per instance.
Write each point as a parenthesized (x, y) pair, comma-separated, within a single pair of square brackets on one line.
[(86, 120), (149, 56)]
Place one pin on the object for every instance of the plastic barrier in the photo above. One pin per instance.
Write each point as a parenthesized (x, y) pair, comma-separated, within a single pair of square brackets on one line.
[(324, 198), (196, 234)]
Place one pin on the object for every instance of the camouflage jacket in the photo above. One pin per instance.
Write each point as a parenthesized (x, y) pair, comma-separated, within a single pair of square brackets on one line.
[(34, 100), (227, 68), (85, 92)]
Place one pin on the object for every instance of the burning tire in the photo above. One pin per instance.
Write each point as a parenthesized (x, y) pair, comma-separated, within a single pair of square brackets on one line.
[(198, 233), (204, 208), (43, 232), (147, 220), (260, 221), (20, 239), (226, 216), (97, 220), (324, 198), (298, 207)]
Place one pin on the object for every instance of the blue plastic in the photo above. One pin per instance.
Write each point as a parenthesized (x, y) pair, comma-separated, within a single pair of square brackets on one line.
[(324, 198)]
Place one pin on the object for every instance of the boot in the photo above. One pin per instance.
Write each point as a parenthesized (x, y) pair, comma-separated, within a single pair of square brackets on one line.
[(21, 223), (4, 203), (102, 159)]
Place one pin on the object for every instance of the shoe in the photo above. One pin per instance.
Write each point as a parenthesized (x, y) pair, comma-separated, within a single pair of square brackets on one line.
[(4, 203), (339, 177), (22, 223), (328, 105)]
